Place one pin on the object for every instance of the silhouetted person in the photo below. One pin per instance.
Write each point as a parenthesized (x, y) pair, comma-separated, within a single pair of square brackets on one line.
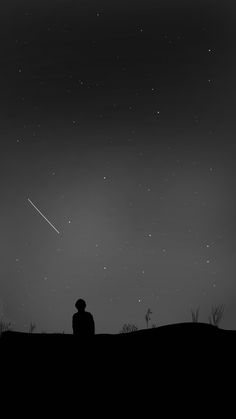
[(82, 321)]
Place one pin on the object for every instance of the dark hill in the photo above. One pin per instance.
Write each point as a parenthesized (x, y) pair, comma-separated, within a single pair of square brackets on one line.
[(165, 363), (182, 340)]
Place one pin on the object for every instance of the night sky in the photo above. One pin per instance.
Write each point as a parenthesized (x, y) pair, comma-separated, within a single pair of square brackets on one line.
[(118, 124)]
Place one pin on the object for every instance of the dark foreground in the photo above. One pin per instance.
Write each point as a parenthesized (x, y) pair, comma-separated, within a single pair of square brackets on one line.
[(171, 344), (176, 360)]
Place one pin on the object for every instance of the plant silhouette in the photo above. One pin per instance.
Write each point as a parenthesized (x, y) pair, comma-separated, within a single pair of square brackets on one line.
[(195, 315), (4, 326), (32, 327), (128, 327), (216, 315), (148, 316)]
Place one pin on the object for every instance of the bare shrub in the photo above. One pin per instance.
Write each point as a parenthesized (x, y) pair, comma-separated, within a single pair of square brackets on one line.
[(216, 315), (128, 327), (195, 315), (32, 327), (148, 316), (4, 326)]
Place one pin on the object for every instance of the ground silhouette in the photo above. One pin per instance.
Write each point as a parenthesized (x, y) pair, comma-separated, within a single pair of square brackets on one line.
[(141, 366), (179, 340)]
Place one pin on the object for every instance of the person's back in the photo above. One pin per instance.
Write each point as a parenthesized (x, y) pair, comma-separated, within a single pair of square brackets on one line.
[(82, 321)]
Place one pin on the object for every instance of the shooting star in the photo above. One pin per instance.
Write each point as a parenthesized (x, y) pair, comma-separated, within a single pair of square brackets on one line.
[(43, 216)]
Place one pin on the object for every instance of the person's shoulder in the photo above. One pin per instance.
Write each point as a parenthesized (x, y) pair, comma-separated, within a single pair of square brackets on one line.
[(89, 314)]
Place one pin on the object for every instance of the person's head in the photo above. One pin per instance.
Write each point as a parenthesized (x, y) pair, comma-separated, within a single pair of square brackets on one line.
[(80, 305)]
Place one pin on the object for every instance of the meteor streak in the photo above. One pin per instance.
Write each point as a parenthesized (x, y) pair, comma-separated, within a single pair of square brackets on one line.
[(43, 216)]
